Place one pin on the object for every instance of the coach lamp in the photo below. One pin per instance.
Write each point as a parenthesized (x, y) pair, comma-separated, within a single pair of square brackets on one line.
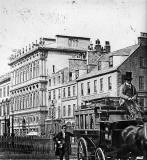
[(108, 133)]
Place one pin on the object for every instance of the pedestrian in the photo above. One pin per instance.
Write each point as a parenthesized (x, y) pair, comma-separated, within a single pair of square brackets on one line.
[(63, 145), (128, 98)]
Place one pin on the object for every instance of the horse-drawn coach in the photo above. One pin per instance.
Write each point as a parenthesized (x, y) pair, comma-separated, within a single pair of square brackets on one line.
[(105, 132)]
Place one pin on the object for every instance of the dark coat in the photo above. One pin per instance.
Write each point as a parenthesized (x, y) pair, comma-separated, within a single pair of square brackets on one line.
[(126, 92), (66, 143)]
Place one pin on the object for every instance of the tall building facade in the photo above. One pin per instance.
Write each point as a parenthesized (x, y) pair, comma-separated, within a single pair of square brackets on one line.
[(5, 104), (29, 70)]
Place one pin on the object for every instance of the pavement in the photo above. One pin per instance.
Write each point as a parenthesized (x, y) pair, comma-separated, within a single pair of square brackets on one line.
[(16, 156)]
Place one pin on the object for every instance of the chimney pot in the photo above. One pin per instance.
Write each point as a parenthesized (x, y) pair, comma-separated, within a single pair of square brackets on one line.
[(53, 68)]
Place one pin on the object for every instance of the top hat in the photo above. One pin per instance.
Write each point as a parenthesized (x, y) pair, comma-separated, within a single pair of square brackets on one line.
[(128, 76), (64, 125)]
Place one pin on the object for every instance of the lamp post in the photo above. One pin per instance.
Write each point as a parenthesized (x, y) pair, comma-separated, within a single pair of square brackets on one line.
[(52, 116)]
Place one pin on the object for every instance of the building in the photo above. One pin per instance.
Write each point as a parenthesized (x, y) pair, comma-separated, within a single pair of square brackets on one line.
[(29, 70), (5, 104), (62, 87), (105, 79)]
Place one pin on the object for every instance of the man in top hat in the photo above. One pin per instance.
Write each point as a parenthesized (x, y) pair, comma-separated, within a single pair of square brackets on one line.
[(128, 98), (63, 145)]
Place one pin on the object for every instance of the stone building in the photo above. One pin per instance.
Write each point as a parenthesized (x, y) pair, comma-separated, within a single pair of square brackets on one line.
[(29, 70), (5, 104), (105, 79), (62, 87)]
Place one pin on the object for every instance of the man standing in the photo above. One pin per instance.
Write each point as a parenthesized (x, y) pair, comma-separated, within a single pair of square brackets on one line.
[(128, 98), (63, 146)]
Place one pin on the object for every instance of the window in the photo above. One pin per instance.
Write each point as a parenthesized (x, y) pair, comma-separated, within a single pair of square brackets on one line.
[(64, 111), (110, 61), (59, 93), (88, 87), (54, 81), (64, 93), (68, 91), (37, 68), (49, 81), (95, 86), (142, 62), (1, 93), (59, 79), (109, 83), (7, 90), (4, 91), (31, 71), (49, 95), (70, 76), (99, 65), (69, 110), (34, 69), (101, 84), (82, 89), (74, 108), (86, 121), (141, 82), (74, 90), (59, 111)]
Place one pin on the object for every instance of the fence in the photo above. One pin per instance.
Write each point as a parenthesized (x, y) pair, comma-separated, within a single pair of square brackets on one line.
[(30, 144)]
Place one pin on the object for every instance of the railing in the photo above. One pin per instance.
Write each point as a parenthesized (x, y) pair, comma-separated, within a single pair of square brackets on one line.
[(30, 144)]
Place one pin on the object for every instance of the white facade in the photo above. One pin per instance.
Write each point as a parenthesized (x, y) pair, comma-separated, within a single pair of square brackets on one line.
[(100, 85), (4, 104)]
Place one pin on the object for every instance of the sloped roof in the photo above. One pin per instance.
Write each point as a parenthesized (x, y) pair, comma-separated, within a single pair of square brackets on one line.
[(122, 52)]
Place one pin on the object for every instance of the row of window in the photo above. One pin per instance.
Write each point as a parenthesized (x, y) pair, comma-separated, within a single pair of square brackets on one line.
[(26, 101), (67, 92), (95, 86), (66, 111), (26, 73), (28, 120), (4, 91)]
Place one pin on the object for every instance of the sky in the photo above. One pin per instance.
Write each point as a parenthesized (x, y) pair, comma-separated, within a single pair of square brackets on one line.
[(25, 21)]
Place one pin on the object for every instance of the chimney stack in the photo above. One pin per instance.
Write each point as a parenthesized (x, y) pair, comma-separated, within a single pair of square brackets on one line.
[(53, 68), (107, 47), (97, 45), (142, 40)]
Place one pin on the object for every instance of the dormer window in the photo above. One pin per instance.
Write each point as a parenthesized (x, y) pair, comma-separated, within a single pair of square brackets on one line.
[(110, 61)]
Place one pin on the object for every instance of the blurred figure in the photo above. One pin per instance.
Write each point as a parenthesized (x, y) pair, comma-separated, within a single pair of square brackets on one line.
[(63, 145), (128, 98)]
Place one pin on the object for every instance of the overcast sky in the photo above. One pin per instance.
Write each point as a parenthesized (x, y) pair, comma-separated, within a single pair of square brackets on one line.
[(24, 21)]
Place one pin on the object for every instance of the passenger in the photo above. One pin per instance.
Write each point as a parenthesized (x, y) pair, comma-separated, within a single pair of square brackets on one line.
[(128, 98), (63, 145)]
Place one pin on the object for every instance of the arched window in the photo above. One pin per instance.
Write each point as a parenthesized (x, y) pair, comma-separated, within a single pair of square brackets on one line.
[(34, 68), (34, 104), (37, 68), (30, 100), (37, 98), (30, 71)]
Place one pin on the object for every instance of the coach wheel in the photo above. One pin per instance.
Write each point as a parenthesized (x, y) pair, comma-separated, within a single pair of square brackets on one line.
[(99, 155), (82, 149)]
